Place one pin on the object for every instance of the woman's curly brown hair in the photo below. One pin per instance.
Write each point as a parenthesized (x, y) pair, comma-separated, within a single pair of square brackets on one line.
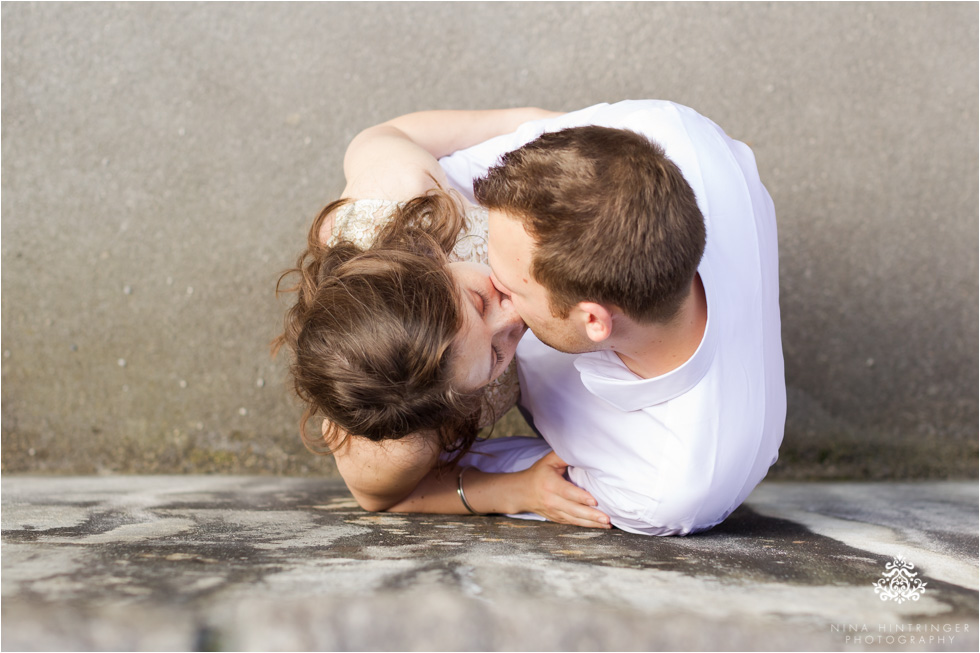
[(372, 331)]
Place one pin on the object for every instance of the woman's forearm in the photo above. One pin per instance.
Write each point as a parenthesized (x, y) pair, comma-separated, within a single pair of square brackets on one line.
[(541, 489), (486, 493), (443, 132)]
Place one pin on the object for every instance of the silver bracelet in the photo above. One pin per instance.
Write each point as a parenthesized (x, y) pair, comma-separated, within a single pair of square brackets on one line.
[(459, 490)]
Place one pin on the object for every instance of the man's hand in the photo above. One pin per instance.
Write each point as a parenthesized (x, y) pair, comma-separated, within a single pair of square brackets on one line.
[(553, 497)]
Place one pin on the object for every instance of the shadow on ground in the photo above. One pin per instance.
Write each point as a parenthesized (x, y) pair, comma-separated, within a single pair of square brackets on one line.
[(225, 563)]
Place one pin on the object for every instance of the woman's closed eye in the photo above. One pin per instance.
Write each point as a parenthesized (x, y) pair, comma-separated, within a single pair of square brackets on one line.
[(485, 302), (498, 354)]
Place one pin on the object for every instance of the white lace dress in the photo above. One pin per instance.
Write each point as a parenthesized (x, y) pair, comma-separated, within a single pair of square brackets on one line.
[(360, 221)]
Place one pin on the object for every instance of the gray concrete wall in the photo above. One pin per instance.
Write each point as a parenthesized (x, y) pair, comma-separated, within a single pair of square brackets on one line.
[(161, 163)]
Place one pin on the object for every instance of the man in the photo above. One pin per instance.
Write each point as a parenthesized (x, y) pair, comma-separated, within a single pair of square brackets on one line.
[(647, 259)]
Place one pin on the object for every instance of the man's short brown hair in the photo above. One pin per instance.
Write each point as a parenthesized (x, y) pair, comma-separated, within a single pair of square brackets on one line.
[(612, 218)]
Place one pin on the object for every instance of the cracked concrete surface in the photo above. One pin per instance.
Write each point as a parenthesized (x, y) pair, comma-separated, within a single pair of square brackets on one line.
[(260, 563)]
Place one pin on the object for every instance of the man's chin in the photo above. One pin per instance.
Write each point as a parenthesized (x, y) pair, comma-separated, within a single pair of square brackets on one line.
[(568, 345)]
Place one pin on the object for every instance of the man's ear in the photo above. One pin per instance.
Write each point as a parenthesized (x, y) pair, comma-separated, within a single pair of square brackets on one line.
[(596, 319)]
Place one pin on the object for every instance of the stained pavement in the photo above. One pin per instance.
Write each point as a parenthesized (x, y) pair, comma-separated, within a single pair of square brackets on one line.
[(264, 563)]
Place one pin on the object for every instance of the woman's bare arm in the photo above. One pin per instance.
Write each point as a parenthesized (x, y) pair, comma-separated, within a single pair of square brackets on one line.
[(541, 489), (381, 474), (443, 132), (398, 159), (402, 476)]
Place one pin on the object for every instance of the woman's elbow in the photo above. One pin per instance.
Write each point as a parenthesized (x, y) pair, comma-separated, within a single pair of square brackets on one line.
[(373, 503)]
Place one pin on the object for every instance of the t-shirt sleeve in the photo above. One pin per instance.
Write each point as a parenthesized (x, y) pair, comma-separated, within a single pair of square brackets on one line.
[(504, 455)]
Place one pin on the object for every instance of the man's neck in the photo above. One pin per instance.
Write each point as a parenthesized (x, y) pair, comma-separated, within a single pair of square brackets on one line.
[(650, 350)]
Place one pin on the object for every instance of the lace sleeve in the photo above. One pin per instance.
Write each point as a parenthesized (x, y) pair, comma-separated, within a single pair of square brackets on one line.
[(501, 395), (360, 221)]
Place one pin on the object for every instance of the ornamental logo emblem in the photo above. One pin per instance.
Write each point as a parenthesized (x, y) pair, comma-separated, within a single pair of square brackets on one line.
[(899, 583)]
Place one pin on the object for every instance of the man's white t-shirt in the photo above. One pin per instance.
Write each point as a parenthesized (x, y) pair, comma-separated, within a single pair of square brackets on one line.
[(677, 453)]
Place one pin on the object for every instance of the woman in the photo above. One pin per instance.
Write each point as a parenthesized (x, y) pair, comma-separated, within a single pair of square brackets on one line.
[(400, 339)]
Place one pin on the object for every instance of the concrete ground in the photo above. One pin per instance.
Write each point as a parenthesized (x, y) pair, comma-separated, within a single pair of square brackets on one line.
[(264, 563)]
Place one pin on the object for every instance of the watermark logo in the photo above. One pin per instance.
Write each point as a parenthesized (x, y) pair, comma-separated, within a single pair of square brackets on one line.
[(899, 583)]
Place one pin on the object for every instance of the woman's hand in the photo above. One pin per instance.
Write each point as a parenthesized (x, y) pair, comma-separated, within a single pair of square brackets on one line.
[(550, 495)]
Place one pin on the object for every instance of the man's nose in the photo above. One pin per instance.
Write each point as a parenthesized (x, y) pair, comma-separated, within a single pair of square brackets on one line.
[(499, 286), (507, 317)]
